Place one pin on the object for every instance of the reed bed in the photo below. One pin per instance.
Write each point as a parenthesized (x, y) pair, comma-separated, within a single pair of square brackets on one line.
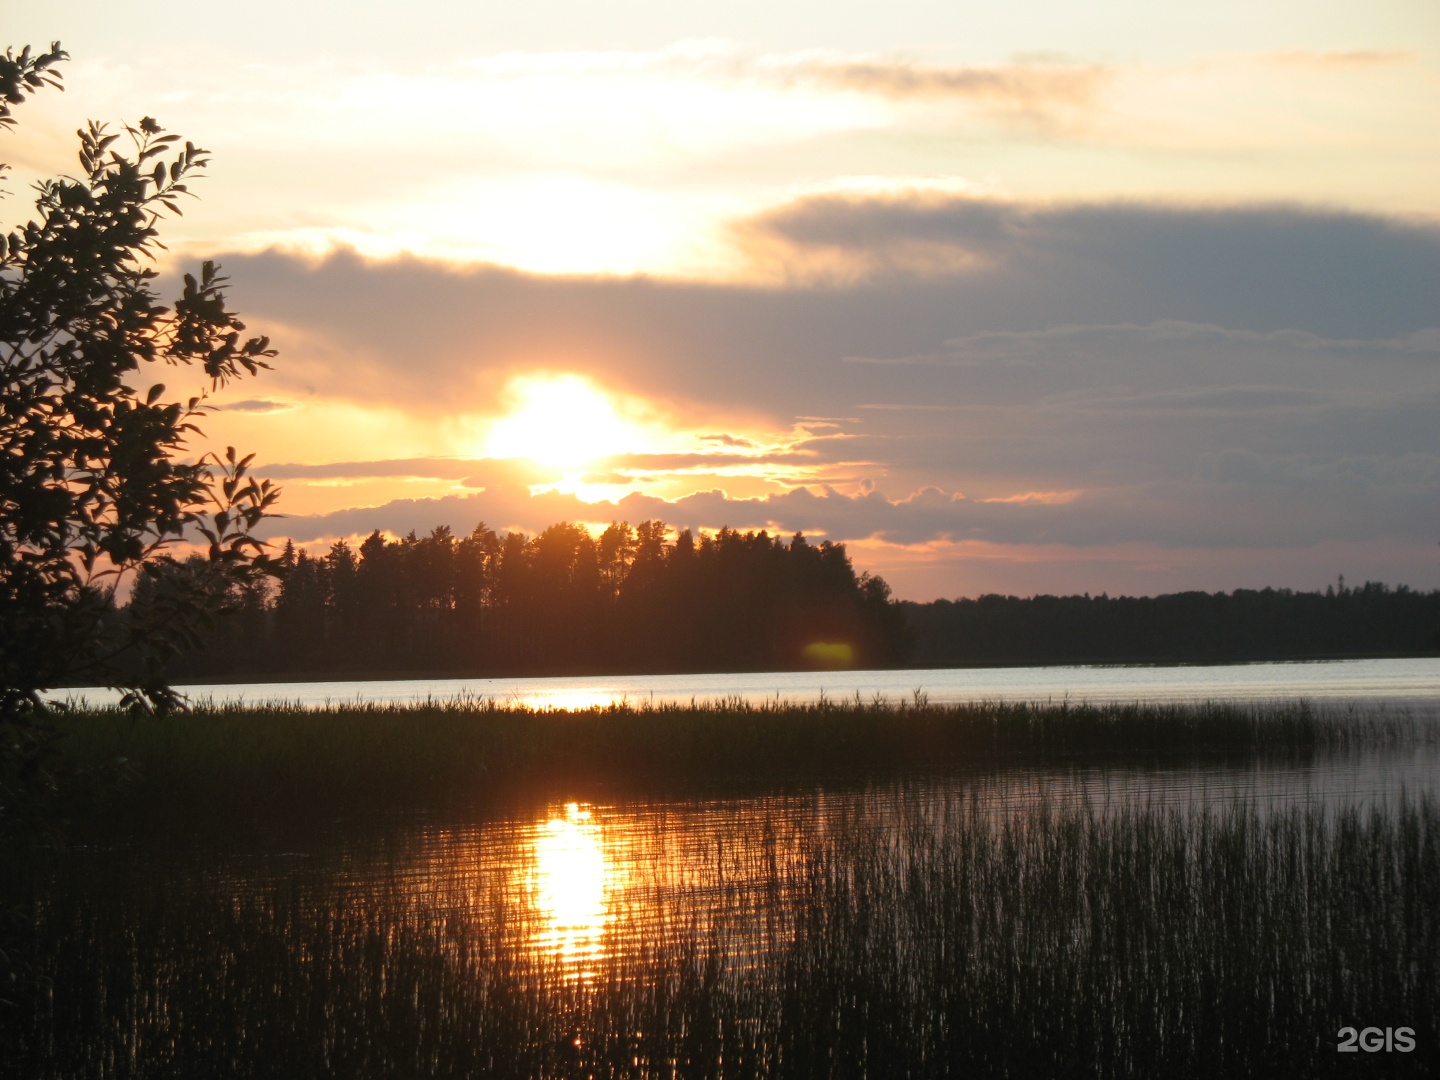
[(282, 760), (909, 939)]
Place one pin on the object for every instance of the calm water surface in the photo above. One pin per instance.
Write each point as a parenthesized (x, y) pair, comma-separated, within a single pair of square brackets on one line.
[(1412, 683), (568, 885), (433, 946)]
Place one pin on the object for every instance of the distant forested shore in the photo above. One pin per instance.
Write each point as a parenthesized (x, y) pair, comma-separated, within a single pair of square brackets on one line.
[(643, 599), (1197, 627)]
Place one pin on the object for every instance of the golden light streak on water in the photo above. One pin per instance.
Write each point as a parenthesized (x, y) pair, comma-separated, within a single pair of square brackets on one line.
[(573, 889), (572, 700)]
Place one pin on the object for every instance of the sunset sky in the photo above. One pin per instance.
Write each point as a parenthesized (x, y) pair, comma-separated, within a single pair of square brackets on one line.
[(1117, 296)]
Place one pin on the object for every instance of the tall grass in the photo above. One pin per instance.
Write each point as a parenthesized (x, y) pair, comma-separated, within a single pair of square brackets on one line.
[(283, 760), (912, 938)]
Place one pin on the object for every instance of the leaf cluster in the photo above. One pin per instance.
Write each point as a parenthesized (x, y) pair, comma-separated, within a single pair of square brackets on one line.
[(24, 74)]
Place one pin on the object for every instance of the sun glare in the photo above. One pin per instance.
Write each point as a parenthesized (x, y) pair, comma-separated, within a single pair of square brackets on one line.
[(569, 888), (829, 654), (560, 420)]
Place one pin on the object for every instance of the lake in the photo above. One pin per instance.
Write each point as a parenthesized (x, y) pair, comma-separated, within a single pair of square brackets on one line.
[(1092, 917), (1413, 683), (798, 932)]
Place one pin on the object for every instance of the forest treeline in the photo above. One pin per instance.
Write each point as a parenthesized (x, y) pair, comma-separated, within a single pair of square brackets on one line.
[(1247, 624), (643, 600), (633, 599)]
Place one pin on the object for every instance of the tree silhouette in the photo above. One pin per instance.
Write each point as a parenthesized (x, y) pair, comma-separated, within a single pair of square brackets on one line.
[(1247, 624), (563, 602), (94, 485)]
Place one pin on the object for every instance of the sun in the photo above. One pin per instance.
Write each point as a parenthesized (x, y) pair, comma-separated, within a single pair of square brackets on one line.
[(560, 420)]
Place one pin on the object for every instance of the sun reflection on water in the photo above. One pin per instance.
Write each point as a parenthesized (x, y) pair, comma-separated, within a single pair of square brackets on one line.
[(571, 700), (571, 890)]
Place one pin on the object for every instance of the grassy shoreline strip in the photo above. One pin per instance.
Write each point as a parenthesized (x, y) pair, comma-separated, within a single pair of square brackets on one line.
[(258, 760)]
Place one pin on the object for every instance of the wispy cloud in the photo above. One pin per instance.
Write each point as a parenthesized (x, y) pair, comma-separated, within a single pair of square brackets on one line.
[(1220, 400), (1354, 58), (254, 405), (1058, 344), (431, 468), (1041, 498), (1045, 97)]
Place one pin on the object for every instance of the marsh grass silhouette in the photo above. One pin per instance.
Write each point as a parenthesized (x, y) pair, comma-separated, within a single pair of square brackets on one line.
[(950, 942), (248, 900), (279, 760)]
